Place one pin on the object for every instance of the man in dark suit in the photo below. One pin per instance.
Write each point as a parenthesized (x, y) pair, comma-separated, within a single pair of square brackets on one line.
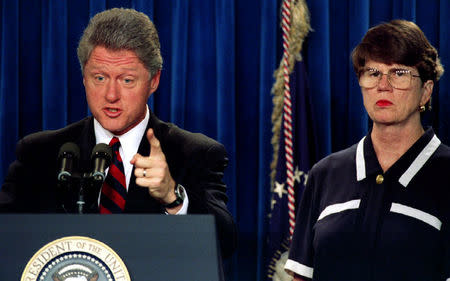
[(165, 169)]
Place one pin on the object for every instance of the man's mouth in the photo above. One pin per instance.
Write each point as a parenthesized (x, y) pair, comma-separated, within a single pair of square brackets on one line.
[(112, 112)]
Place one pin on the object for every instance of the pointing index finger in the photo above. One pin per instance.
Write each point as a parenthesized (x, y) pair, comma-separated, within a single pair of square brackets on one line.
[(155, 146)]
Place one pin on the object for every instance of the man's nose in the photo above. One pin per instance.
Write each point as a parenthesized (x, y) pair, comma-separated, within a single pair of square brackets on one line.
[(113, 92)]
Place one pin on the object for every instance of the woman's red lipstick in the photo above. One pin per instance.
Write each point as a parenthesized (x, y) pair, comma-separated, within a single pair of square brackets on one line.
[(384, 103)]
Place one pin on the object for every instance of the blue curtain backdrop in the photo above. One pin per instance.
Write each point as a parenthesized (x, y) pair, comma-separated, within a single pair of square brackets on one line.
[(219, 57)]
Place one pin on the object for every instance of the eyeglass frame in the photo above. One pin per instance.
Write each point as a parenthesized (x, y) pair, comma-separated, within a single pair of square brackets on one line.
[(388, 74)]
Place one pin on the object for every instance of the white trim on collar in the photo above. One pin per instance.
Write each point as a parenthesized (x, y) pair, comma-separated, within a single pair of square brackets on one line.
[(420, 160), (360, 161), (413, 169)]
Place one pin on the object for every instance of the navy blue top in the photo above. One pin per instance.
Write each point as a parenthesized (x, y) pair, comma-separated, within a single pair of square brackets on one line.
[(357, 223)]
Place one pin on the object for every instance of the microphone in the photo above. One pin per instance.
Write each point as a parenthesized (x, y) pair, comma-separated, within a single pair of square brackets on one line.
[(101, 157), (68, 156)]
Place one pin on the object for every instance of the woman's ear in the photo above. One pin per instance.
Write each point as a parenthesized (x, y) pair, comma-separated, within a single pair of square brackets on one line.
[(427, 91)]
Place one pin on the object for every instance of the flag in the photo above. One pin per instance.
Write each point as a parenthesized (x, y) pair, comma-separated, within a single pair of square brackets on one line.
[(293, 138)]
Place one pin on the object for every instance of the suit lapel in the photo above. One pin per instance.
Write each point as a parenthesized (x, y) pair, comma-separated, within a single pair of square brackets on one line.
[(86, 142)]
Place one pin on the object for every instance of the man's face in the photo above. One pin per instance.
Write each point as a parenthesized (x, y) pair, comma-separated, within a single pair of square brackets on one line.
[(117, 88)]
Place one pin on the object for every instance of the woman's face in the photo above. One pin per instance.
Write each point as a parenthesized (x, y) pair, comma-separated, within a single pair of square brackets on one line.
[(387, 105)]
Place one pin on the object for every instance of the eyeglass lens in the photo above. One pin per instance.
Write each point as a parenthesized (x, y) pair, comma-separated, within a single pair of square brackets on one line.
[(398, 78)]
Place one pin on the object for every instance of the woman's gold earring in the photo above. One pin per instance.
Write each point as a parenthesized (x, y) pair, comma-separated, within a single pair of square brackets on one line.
[(422, 108)]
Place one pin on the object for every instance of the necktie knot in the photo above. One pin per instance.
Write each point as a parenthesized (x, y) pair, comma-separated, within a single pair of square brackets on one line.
[(114, 143)]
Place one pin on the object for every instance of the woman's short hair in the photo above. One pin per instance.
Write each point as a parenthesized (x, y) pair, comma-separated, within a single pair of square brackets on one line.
[(122, 29), (400, 42)]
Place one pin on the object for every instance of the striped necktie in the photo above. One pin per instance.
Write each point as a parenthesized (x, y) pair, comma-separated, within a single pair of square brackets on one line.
[(114, 191)]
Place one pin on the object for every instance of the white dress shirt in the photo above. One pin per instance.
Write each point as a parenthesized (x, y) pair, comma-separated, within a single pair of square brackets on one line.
[(129, 145)]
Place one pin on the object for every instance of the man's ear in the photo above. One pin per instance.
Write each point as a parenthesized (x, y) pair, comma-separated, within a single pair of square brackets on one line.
[(154, 82)]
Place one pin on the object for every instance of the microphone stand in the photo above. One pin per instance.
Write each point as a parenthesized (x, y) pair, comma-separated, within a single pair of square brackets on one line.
[(92, 182), (81, 196), (85, 187), (101, 157)]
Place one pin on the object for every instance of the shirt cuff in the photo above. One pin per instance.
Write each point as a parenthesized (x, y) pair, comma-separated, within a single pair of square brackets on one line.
[(298, 268), (184, 207)]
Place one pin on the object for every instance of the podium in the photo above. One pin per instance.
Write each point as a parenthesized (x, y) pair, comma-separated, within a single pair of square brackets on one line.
[(151, 247)]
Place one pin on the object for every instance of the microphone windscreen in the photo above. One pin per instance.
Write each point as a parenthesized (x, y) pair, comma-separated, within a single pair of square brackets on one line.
[(71, 149), (102, 150)]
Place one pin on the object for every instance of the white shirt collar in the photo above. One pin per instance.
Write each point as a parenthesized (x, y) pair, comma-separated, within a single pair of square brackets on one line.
[(129, 142)]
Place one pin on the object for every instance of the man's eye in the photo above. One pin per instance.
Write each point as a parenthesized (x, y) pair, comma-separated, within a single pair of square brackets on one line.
[(99, 78), (128, 81)]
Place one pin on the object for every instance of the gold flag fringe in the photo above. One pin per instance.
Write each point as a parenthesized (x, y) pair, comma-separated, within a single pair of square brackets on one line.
[(300, 27)]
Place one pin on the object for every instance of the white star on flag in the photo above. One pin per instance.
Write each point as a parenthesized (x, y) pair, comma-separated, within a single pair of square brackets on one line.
[(297, 174), (279, 189)]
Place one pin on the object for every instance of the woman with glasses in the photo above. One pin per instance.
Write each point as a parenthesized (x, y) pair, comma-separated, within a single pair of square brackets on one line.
[(380, 209)]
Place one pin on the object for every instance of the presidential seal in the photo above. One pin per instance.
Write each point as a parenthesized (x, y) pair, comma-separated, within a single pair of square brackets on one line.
[(75, 258)]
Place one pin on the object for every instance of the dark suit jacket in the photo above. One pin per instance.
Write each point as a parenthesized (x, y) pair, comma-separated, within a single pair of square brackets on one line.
[(195, 161)]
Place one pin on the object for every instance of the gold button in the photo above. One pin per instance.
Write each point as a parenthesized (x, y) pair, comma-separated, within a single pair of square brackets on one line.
[(379, 179)]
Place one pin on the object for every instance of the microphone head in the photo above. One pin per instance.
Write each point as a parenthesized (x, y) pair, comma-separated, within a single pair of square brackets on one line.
[(102, 150), (69, 150), (68, 156), (101, 158)]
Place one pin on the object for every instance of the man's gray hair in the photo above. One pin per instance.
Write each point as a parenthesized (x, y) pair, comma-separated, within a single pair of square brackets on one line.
[(122, 29)]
